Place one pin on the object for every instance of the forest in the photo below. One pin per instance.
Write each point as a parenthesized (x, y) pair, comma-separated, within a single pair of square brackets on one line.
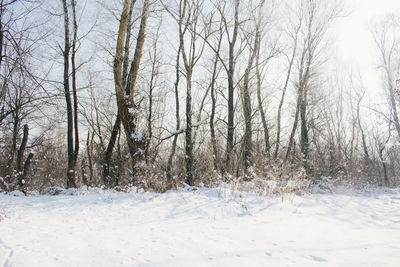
[(165, 94)]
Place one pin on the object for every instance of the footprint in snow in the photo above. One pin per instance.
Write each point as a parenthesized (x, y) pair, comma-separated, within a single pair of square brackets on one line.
[(319, 259), (268, 254)]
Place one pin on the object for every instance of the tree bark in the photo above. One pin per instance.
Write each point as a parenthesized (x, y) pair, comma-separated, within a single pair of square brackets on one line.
[(117, 123), (126, 105), (213, 107), (231, 88), (22, 178), (23, 168), (188, 63), (74, 91), (247, 103), (89, 148), (188, 133), (177, 116), (21, 150), (261, 108), (294, 128), (153, 81), (70, 117)]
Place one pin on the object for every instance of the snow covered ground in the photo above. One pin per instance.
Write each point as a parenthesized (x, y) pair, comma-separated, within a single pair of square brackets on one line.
[(207, 227)]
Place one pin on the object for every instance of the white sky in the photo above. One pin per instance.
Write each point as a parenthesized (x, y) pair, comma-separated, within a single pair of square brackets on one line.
[(354, 42)]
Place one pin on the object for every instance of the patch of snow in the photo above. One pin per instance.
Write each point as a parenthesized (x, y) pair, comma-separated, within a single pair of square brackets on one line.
[(140, 164), (137, 136), (16, 193)]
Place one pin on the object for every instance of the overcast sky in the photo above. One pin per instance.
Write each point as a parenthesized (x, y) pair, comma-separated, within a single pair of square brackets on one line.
[(355, 44)]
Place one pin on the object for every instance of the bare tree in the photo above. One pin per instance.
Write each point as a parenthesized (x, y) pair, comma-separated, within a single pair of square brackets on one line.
[(153, 83), (177, 117), (126, 96), (294, 36), (386, 40), (359, 97), (21, 90), (232, 37), (117, 123), (189, 13), (317, 18), (69, 54), (213, 96), (246, 98)]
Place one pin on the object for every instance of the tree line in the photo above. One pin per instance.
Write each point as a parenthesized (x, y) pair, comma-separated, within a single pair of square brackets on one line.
[(159, 94)]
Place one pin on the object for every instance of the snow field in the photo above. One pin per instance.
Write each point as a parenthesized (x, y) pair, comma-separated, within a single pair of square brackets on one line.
[(207, 227)]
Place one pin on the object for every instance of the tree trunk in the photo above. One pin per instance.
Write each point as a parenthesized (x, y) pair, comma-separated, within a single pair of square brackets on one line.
[(109, 150), (294, 128), (188, 133), (288, 74), (25, 173), (10, 162), (126, 104), (153, 81), (213, 106), (363, 139), (117, 123), (385, 176), (231, 88), (304, 142), (23, 168), (261, 108), (70, 117), (247, 151), (89, 148), (21, 150), (74, 92), (178, 123)]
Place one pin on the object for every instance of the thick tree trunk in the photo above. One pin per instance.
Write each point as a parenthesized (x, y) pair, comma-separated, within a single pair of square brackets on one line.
[(74, 91), (109, 150), (70, 117), (126, 104), (21, 150), (23, 168), (117, 123), (22, 178)]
